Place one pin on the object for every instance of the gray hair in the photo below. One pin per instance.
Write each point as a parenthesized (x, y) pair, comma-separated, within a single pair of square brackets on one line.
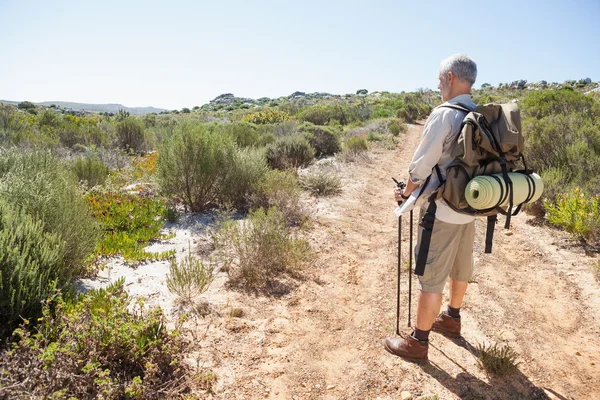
[(460, 65)]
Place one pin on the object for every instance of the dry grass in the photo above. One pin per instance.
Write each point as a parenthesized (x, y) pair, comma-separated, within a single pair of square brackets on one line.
[(497, 360), (322, 183), (188, 278)]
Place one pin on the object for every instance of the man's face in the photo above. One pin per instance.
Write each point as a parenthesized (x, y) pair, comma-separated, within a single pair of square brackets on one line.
[(444, 85)]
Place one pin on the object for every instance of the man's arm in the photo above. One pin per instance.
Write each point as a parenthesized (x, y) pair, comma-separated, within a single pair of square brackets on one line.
[(429, 151)]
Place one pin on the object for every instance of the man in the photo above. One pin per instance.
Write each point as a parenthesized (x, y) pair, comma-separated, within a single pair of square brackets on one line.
[(451, 249)]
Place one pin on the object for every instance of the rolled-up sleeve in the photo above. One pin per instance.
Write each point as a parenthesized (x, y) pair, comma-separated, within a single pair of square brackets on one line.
[(430, 149)]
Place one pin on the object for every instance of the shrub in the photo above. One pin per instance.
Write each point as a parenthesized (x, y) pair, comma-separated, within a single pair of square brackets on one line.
[(31, 266), (577, 213), (497, 360), (95, 348), (374, 137), (247, 170), (280, 189), (322, 183), (256, 250), (188, 278), (44, 188), (26, 105), (90, 169), (355, 149), (341, 113), (268, 116), (544, 103), (396, 127), (356, 144), (195, 165), (324, 139), (131, 135), (289, 152), (129, 222), (242, 133)]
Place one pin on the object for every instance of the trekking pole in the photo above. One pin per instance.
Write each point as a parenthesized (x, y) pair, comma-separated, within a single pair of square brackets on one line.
[(401, 185), (410, 261)]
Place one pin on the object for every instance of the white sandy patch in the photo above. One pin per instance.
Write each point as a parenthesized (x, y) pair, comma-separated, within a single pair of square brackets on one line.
[(148, 280)]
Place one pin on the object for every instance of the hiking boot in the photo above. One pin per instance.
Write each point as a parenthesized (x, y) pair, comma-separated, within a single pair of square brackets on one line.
[(447, 325), (408, 347)]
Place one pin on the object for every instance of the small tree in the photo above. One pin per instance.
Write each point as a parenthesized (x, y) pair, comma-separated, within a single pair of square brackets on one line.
[(26, 105), (131, 135), (194, 165)]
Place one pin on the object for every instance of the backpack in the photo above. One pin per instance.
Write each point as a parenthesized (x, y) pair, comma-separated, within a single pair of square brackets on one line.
[(489, 142)]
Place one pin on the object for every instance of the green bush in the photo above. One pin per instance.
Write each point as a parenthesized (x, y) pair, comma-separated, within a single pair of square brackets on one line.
[(131, 135), (544, 103), (91, 170), (374, 137), (397, 126), (96, 349), (46, 189), (247, 170), (355, 149), (242, 133), (32, 265), (26, 105), (194, 166), (341, 113), (324, 139), (268, 116), (188, 278), (322, 183), (129, 222), (260, 248), (356, 144), (289, 152), (281, 189), (577, 213), (562, 141)]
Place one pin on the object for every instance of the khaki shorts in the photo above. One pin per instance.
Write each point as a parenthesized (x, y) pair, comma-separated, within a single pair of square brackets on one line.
[(450, 254)]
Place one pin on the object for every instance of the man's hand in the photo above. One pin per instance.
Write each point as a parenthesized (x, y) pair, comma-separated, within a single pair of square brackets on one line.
[(398, 193)]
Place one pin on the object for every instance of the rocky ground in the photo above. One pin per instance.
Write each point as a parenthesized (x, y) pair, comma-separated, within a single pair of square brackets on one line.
[(320, 337)]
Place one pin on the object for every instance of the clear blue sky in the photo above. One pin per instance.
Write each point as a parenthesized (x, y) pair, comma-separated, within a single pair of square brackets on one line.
[(175, 54)]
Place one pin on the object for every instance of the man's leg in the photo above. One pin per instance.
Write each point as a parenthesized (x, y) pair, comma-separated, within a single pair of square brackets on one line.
[(448, 322), (427, 309), (440, 258), (457, 292)]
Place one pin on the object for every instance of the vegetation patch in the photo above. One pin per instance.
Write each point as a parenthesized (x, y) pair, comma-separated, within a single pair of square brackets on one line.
[(260, 248), (129, 222), (268, 116), (290, 152), (497, 360), (322, 183), (577, 213), (189, 277), (95, 348), (281, 189)]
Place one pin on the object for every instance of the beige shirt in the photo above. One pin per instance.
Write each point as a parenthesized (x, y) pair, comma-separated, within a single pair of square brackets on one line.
[(439, 134)]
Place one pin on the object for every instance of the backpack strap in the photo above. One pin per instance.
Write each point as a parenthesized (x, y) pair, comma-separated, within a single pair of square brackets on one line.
[(457, 106), (489, 234), (427, 223)]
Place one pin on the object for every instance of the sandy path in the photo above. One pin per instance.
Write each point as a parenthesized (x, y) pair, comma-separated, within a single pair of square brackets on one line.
[(321, 338)]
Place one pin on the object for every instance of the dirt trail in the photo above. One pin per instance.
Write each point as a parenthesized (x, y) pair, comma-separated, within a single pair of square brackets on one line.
[(322, 337)]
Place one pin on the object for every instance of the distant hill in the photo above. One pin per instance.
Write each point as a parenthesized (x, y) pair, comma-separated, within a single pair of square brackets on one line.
[(111, 108)]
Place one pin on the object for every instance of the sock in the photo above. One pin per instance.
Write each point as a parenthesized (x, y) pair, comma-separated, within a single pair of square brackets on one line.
[(422, 336), (453, 312)]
